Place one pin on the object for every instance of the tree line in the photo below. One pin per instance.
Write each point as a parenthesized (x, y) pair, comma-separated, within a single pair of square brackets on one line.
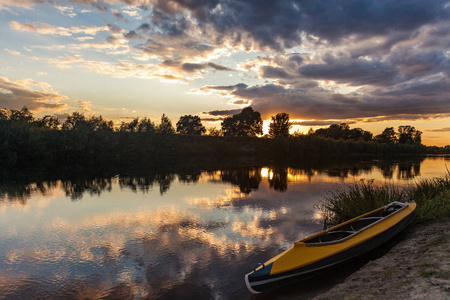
[(25, 138)]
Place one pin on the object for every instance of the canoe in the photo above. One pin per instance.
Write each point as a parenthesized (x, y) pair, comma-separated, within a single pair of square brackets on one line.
[(332, 247)]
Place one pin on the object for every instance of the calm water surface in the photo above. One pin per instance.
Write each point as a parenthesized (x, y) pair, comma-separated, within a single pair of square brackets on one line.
[(172, 236)]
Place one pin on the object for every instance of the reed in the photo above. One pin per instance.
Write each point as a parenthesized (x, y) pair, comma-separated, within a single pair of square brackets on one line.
[(431, 195), (356, 199)]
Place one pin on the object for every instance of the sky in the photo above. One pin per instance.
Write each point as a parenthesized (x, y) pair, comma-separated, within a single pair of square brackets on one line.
[(369, 63)]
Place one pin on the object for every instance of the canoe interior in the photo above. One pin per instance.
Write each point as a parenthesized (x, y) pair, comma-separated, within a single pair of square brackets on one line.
[(345, 230)]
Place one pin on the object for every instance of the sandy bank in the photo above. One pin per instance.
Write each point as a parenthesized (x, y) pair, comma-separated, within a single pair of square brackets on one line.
[(418, 267)]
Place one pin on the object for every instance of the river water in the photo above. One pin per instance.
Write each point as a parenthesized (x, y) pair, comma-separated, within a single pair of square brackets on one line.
[(190, 235)]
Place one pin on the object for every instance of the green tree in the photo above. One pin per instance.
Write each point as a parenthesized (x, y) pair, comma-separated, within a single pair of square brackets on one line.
[(48, 122), (136, 125), (146, 125), (358, 134), (100, 124), (409, 135), (166, 126), (130, 126), (24, 115), (280, 125), (387, 136), (75, 121), (214, 131), (246, 123), (190, 125), (335, 131), (417, 137)]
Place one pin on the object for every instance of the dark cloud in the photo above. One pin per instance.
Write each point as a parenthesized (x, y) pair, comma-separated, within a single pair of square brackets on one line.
[(415, 62), (322, 122), (238, 86), (212, 119), (114, 28), (144, 27), (170, 25), (112, 40), (131, 35), (436, 87), (174, 47), (99, 6), (355, 72), (218, 67), (36, 96), (445, 129), (192, 67), (151, 47), (280, 24), (222, 113), (319, 104), (274, 72)]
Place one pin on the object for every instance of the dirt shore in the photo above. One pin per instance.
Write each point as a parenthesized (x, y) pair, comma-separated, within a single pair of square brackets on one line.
[(418, 267)]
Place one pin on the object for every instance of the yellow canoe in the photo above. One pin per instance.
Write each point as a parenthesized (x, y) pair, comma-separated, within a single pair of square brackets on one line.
[(327, 249)]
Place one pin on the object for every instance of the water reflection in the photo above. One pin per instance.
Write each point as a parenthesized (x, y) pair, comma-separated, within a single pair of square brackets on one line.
[(165, 235), (247, 179)]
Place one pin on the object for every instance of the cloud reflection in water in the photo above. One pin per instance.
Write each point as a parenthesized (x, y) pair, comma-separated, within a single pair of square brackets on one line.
[(127, 239)]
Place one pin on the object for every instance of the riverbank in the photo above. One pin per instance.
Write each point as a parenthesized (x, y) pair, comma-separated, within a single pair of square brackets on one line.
[(418, 267)]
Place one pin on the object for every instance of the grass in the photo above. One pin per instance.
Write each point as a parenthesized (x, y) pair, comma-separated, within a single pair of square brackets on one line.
[(388, 272), (428, 270), (431, 195), (403, 284)]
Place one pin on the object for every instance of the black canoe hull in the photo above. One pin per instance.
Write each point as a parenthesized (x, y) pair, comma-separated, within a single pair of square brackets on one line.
[(258, 284)]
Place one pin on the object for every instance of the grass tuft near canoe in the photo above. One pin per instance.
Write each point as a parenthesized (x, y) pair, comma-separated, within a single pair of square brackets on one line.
[(327, 249)]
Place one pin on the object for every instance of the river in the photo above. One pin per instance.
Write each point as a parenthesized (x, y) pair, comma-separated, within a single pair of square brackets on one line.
[(177, 235)]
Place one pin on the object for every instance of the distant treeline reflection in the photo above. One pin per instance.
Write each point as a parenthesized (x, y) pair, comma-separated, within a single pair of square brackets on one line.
[(19, 185)]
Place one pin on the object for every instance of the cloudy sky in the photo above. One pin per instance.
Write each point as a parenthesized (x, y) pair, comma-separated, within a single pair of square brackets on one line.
[(372, 64)]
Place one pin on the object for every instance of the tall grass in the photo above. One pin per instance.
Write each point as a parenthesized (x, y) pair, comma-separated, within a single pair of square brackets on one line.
[(431, 195)]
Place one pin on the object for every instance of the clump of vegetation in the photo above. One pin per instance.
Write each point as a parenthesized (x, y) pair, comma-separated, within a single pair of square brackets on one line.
[(436, 208), (356, 199), (431, 195)]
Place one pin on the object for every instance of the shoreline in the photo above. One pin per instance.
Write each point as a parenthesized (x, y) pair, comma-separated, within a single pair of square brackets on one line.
[(417, 267)]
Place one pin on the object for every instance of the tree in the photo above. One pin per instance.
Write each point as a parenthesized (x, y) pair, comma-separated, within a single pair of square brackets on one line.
[(214, 131), (75, 121), (387, 136), (409, 135), (100, 124), (48, 122), (146, 125), (24, 115), (190, 125), (166, 126), (130, 126), (357, 134), (280, 125), (335, 131), (417, 137), (246, 123)]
